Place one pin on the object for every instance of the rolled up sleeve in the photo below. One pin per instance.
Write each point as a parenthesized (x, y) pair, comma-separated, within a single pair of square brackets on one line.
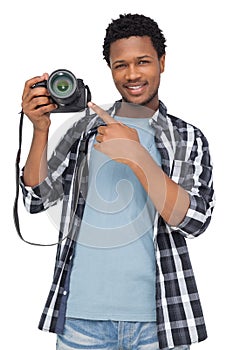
[(197, 179), (41, 196)]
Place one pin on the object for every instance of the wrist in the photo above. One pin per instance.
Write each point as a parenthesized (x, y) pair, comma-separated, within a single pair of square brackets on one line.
[(40, 133)]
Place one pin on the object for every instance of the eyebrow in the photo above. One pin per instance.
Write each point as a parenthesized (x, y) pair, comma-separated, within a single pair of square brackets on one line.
[(138, 58)]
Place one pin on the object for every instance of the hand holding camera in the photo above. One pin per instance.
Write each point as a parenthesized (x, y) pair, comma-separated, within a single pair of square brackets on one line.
[(36, 103), (60, 92)]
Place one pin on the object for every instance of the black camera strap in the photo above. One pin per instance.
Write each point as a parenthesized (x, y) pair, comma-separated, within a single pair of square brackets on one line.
[(78, 174), (17, 179), (88, 96)]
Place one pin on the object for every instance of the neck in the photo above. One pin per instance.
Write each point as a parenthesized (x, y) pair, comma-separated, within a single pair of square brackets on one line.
[(132, 110)]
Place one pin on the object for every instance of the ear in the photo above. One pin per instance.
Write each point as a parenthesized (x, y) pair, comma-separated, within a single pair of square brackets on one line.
[(162, 63)]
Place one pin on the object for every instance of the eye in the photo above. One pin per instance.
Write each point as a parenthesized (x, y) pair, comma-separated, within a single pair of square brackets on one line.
[(143, 62), (120, 65)]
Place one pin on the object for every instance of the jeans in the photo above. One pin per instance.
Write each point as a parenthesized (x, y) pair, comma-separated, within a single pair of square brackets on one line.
[(109, 335)]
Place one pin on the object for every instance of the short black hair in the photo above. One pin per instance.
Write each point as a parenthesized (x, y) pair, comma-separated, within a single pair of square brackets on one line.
[(128, 25)]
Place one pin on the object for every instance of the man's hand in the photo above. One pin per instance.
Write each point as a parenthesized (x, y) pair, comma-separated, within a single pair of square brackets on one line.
[(36, 103), (116, 140)]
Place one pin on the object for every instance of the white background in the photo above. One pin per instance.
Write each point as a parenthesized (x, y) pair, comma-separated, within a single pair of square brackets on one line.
[(42, 36)]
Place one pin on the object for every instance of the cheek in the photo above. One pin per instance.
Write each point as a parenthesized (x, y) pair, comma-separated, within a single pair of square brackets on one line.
[(155, 76), (117, 81), (116, 78)]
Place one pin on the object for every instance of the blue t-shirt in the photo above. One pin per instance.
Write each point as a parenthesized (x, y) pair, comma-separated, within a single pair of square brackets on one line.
[(113, 273)]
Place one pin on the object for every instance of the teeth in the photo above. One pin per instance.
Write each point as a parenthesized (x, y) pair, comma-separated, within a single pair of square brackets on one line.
[(135, 87)]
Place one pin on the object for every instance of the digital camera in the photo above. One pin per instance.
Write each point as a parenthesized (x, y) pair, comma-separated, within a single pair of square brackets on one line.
[(69, 93)]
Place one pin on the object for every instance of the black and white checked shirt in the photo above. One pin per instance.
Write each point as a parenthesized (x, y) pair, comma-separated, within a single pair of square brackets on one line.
[(186, 160)]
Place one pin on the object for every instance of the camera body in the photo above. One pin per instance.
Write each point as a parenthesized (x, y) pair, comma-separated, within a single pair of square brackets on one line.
[(69, 93)]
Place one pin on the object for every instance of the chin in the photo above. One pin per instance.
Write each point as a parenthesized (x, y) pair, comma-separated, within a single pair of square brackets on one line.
[(135, 100)]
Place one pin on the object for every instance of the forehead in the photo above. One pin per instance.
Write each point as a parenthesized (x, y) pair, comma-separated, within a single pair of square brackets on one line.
[(134, 46)]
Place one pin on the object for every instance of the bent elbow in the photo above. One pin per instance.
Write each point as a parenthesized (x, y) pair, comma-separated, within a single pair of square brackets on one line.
[(197, 218)]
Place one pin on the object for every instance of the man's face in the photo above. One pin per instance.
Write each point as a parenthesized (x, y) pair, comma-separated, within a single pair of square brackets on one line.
[(136, 70)]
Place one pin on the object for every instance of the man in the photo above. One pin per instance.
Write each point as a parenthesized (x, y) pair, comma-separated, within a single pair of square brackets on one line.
[(123, 278)]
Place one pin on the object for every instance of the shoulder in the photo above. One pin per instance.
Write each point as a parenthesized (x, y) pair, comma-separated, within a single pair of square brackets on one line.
[(181, 123), (184, 128)]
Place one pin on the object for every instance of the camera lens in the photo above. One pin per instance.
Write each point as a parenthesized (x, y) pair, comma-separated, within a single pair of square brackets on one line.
[(62, 84)]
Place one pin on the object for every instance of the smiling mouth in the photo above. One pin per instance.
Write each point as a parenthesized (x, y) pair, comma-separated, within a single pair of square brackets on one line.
[(136, 88)]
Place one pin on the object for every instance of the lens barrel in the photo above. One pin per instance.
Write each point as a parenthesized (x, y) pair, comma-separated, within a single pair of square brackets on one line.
[(69, 93), (62, 86)]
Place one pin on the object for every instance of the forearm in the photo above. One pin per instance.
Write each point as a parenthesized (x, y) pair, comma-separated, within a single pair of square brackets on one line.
[(36, 168), (170, 199)]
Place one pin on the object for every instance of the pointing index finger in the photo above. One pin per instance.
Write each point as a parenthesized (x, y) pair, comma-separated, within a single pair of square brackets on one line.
[(101, 113)]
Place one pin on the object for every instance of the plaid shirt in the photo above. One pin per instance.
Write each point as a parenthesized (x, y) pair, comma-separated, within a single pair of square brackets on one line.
[(186, 160)]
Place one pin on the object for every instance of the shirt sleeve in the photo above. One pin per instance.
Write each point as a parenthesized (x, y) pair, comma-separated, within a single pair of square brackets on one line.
[(196, 176), (48, 192)]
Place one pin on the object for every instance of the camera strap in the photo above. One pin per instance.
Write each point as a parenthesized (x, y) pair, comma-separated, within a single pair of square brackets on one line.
[(78, 176), (88, 96), (17, 186), (17, 177)]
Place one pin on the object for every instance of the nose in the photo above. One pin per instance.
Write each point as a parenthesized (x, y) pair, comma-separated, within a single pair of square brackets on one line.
[(132, 73)]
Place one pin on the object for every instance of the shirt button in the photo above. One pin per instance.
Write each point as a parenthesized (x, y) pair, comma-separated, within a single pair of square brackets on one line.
[(65, 292)]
